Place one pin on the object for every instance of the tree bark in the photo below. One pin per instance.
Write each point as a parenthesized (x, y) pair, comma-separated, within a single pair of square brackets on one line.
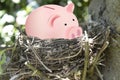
[(108, 12)]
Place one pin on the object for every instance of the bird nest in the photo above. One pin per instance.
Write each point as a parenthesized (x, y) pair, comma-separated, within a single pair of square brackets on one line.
[(60, 59)]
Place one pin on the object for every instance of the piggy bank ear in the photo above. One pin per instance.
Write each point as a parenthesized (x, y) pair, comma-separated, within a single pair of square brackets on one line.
[(70, 7), (52, 19)]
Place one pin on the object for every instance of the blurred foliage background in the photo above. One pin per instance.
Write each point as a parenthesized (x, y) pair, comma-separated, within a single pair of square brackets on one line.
[(13, 14)]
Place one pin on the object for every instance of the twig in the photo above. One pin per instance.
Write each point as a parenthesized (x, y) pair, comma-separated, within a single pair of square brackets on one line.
[(18, 75), (41, 61), (36, 72), (97, 58), (100, 52), (86, 47), (106, 43), (34, 51), (68, 57), (100, 75)]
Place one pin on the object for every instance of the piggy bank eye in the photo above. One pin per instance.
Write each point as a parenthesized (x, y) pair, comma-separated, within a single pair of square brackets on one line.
[(65, 24), (73, 19)]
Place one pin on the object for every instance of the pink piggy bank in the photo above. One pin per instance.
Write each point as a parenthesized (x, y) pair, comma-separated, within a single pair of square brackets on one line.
[(52, 22)]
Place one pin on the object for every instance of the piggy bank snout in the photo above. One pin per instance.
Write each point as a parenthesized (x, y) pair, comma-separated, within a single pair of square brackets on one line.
[(74, 32)]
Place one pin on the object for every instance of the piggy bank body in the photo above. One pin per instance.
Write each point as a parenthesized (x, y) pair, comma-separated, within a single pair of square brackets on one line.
[(52, 22)]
